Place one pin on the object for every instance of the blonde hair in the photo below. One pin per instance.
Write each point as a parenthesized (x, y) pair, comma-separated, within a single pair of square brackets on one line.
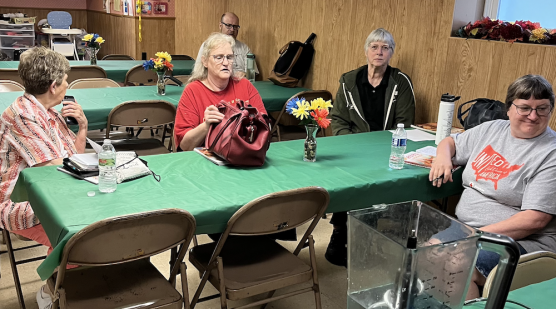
[(215, 40), (39, 67)]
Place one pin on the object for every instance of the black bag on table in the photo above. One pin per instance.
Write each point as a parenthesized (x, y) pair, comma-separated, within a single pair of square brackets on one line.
[(294, 62), (482, 111)]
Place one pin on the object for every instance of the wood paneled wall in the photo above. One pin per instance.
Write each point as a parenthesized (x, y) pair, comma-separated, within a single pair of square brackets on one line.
[(425, 51), (195, 21), (158, 35), (118, 31), (79, 17)]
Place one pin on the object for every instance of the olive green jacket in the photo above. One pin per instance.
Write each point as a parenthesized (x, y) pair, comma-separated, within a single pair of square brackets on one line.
[(399, 106)]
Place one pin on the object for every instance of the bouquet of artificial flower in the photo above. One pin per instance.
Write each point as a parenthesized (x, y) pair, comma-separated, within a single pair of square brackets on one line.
[(314, 112), (93, 40), (160, 64)]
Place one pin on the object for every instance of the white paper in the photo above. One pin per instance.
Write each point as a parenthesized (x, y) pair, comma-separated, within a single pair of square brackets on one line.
[(418, 135), (429, 150), (96, 147), (87, 159)]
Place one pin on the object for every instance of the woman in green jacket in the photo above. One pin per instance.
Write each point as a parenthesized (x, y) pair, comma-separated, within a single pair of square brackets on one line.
[(374, 97)]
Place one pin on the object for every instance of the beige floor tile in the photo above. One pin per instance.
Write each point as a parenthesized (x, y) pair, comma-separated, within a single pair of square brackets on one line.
[(332, 279)]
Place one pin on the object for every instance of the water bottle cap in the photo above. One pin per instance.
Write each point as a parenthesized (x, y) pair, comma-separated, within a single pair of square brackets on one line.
[(250, 55), (401, 125), (107, 141)]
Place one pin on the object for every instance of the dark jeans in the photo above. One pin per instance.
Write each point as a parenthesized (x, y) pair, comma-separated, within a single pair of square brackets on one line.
[(339, 219)]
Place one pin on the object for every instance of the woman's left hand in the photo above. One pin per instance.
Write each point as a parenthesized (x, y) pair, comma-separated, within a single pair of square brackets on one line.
[(73, 109)]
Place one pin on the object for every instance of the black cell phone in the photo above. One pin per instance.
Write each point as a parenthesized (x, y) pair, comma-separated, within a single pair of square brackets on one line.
[(70, 121)]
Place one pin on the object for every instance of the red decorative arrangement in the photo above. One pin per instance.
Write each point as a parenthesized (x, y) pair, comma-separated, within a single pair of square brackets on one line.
[(520, 31)]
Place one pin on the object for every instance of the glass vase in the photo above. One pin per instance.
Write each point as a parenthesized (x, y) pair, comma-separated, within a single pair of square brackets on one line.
[(310, 153), (160, 84), (92, 52)]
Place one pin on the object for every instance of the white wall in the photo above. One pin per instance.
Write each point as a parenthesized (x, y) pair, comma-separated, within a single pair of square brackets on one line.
[(466, 11)]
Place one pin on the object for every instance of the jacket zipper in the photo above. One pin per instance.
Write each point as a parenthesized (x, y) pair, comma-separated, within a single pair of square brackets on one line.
[(390, 106), (354, 106)]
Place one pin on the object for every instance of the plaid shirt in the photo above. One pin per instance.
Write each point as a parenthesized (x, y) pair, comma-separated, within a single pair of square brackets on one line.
[(29, 135)]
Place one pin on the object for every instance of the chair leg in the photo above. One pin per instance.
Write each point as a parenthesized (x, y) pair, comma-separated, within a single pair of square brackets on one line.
[(316, 287), (8, 241), (222, 285), (204, 279), (184, 288)]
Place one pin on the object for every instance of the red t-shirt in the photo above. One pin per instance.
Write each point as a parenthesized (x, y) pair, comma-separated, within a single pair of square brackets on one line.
[(196, 97)]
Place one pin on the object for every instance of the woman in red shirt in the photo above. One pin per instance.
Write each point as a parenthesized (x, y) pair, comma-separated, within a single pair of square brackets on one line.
[(212, 81)]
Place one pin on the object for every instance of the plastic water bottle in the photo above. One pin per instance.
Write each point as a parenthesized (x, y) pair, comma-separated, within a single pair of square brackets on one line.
[(107, 168), (399, 141), (250, 68)]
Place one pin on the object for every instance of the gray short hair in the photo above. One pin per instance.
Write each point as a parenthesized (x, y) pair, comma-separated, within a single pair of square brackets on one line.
[(39, 67), (529, 86), (380, 35), (215, 40)]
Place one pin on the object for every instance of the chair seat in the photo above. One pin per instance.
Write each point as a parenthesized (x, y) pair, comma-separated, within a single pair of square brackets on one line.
[(252, 265), (142, 146), (130, 285)]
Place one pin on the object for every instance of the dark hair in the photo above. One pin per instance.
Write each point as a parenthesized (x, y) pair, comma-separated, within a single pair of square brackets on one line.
[(529, 86)]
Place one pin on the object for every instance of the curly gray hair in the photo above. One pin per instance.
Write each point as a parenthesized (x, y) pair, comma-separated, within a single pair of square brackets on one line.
[(39, 67)]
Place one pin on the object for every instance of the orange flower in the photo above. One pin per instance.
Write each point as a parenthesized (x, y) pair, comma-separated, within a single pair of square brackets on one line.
[(168, 65), (320, 117)]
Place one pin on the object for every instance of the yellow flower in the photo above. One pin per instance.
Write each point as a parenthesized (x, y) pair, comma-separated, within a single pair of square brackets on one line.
[(301, 111), (88, 37), (538, 34), (314, 105), (158, 63), (321, 103), (99, 40), (164, 55)]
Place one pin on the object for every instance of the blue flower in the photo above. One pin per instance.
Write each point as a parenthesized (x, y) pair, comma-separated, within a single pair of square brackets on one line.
[(95, 37), (293, 104), (148, 65)]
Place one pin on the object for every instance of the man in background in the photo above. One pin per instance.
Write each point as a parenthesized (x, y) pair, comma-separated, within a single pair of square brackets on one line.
[(229, 24)]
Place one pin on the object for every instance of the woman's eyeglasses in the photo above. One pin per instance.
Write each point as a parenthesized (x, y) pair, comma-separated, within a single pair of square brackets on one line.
[(220, 58), (525, 110)]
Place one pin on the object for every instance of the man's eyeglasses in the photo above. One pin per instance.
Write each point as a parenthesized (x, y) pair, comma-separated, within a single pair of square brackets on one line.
[(220, 58), (375, 48), (230, 26), (525, 110)]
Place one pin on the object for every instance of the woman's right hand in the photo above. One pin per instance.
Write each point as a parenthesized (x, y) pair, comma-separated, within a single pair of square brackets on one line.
[(441, 167), (212, 115)]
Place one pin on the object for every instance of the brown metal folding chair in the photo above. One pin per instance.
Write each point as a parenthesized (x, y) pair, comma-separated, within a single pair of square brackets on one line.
[(14, 262), (182, 57), (117, 57), (115, 269), (11, 74), (137, 76), (87, 83), (10, 85), (240, 266), (533, 267), (143, 114), (308, 95), (85, 71)]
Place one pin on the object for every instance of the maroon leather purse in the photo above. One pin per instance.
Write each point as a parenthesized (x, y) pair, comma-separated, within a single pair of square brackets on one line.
[(242, 137)]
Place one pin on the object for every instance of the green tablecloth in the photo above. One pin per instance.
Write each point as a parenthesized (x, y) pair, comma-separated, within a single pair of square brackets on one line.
[(353, 168), (98, 102), (116, 69), (536, 296)]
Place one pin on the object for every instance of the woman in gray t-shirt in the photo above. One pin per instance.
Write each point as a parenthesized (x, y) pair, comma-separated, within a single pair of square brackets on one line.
[(510, 167)]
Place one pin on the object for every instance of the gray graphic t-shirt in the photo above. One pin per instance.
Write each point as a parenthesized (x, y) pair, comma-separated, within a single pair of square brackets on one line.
[(504, 175)]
